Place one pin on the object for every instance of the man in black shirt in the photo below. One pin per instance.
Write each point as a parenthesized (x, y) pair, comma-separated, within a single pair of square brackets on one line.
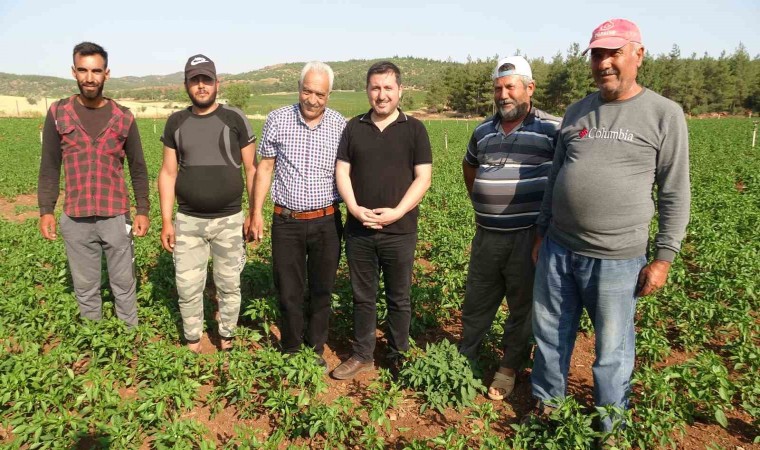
[(204, 147), (383, 171)]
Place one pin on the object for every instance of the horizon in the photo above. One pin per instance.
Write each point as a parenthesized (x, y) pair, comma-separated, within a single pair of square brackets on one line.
[(155, 39)]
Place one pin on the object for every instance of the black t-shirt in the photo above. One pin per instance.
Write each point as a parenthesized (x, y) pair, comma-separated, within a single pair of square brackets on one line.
[(209, 184), (382, 166)]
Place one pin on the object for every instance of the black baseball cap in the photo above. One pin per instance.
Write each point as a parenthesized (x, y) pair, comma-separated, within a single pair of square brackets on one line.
[(200, 65)]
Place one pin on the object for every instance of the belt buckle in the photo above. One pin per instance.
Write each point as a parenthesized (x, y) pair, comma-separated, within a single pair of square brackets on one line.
[(286, 213)]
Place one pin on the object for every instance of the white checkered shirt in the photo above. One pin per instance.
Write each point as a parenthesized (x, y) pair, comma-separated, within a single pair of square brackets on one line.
[(304, 169)]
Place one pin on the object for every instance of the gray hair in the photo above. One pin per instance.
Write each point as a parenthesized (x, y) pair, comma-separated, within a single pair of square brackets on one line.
[(525, 80), (318, 67)]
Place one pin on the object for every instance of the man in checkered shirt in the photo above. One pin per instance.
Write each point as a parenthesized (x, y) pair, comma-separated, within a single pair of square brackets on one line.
[(299, 144), (90, 135)]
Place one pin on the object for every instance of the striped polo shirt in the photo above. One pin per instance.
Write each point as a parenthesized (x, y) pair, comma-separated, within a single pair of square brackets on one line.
[(512, 170)]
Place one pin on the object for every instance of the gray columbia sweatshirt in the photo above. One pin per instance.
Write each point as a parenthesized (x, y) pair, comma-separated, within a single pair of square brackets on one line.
[(607, 160)]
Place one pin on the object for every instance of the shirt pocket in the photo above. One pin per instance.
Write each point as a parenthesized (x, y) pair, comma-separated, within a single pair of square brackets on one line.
[(115, 142), (71, 141)]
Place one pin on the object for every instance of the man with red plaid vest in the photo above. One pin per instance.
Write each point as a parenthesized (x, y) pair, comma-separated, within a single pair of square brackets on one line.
[(91, 135)]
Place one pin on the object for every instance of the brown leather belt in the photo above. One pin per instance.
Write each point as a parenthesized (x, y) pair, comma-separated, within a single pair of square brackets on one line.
[(304, 215)]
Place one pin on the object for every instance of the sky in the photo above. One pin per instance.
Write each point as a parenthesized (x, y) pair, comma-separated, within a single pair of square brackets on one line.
[(156, 37)]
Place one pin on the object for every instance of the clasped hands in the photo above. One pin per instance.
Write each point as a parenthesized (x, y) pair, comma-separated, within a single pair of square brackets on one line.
[(377, 218)]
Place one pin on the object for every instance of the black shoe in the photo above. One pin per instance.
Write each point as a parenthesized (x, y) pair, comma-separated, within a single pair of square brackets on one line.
[(395, 365), (322, 363), (540, 412)]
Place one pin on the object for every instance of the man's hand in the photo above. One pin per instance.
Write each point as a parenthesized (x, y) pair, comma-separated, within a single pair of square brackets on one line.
[(536, 247), (256, 227), (140, 225), (47, 227), (386, 216), (167, 237), (247, 228), (367, 217), (652, 277)]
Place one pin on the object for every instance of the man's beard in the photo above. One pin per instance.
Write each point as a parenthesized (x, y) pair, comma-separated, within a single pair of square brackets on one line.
[(205, 104), (515, 113), (90, 95)]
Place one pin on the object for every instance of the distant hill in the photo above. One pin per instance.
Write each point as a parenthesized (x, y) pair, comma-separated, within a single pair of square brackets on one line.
[(417, 73)]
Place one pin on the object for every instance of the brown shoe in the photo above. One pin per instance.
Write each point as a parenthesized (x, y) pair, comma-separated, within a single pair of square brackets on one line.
[(351, 367)]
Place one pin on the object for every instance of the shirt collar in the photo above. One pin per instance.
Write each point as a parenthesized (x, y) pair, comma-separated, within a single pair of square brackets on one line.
[(303, 121), (367, 117)]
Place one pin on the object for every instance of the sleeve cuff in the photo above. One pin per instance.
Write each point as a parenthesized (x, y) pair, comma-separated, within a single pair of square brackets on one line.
[(665, 254), (46, 210), (143, 209)]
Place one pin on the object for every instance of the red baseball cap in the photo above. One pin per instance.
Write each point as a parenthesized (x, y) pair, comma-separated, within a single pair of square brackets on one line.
[(614, 33)]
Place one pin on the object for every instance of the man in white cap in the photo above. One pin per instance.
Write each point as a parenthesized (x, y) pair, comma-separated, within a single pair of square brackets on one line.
[(505, 169), (614, 146)]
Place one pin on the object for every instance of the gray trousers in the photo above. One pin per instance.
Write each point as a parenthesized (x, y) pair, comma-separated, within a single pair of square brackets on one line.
[(500, 264), (86, 239)]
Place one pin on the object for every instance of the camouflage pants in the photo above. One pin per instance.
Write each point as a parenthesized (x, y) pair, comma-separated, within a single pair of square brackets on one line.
[(194, 238)]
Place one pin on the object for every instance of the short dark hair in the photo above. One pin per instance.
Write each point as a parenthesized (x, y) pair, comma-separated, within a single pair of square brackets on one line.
[(382, 67), (89, 49)]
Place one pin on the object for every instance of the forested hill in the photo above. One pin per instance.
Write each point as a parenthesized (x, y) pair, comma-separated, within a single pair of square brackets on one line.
[(418, 73), (728, 83)]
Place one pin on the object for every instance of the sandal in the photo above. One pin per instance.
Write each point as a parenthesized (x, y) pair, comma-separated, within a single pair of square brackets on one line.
[(194, 346), (225, 344), (502, 382)]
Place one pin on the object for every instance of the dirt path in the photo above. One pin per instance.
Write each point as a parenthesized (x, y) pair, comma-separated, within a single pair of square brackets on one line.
[(20, 208)]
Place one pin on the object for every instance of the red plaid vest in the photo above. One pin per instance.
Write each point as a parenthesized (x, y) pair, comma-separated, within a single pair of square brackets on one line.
[(93, 166)]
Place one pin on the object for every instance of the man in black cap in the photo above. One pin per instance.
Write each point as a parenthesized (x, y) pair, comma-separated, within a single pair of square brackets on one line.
[(204, 147)]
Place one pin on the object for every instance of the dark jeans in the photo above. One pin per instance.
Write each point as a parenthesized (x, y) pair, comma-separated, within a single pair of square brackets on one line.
[(500, 264), (301, 250), (393, 254)]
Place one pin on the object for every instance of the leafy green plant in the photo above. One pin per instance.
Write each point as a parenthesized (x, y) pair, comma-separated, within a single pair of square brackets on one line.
[(441, 375), (567, 426), (182, 434)]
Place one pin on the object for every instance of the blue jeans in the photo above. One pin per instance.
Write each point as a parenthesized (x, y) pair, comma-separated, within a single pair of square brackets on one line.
[(565, 283)]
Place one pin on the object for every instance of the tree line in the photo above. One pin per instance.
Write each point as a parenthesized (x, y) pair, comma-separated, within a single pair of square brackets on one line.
[(726, 84)]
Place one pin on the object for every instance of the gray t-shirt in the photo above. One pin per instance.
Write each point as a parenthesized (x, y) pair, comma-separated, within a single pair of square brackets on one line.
[(209, 184), (609, 156)]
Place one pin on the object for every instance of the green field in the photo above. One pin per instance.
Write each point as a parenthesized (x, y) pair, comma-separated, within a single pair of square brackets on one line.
[(348, 103), (65, 383)]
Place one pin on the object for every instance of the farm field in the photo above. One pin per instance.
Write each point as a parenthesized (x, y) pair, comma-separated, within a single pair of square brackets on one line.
[(348, 103), (65, 383)]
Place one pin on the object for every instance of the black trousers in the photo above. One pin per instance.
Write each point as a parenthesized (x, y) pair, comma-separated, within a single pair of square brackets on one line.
[(393, 254), (305, 251)]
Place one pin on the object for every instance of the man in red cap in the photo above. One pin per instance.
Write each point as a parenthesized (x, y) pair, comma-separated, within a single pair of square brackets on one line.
[(613, 147)]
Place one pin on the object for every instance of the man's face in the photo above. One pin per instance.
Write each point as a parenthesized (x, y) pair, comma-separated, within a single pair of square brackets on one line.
[(512, 97), (384, 93), (313, 94), (614, 70), (202, 90), (91, 74)]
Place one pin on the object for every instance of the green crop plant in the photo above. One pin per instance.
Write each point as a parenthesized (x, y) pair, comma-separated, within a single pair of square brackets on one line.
[(382, 394), (65, 381), (182, 434), (567, 426), (441, 375)]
